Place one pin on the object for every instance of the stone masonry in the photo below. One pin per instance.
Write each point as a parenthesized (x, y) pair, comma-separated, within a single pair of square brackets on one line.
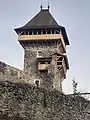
[(42, 39), (35, 93), (46, 79), (25, 102), (12, 74)]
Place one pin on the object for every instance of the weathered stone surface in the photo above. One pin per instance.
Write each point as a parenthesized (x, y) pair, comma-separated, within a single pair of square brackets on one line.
[(30, 57), (48, 81), (25, 102), (12, 74), (2, 67)]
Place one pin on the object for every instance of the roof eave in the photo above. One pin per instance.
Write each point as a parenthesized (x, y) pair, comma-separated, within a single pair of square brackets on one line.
[(46, 27), (65, 35)]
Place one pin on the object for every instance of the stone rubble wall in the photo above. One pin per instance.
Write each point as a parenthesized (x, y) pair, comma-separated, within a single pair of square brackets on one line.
[(30, 57), (12, 74), (31, 66), (26, 102)]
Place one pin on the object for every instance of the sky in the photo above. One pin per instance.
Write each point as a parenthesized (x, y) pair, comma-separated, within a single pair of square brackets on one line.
[(74, 15)]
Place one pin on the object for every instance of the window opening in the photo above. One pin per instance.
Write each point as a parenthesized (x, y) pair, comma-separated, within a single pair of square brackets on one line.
[(37, 83), (48, 32), (30, 32), (39, 53), (39, 32), (44, 31), (35, 32), (52, 31)]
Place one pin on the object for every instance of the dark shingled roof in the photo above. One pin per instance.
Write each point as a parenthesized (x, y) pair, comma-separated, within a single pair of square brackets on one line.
[(44, 20)]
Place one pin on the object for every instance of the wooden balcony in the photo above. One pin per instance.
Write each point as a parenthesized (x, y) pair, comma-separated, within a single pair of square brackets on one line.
[(42, 37), (39, 37)]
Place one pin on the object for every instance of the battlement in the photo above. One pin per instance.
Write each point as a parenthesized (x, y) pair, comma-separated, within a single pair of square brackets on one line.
[(40, 37)]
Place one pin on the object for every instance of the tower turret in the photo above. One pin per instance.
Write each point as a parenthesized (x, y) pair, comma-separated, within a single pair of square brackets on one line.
[(44, 43)]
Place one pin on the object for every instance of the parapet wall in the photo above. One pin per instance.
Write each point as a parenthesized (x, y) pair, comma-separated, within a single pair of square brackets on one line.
[(15, 75), (12, 74)]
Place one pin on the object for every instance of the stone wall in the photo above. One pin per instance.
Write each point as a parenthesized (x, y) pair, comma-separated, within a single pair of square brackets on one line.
[(30, 56), (31, 66), (26, 102), (12, 74)]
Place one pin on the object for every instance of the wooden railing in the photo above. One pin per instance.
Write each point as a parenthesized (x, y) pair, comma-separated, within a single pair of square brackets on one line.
[(40, 37)]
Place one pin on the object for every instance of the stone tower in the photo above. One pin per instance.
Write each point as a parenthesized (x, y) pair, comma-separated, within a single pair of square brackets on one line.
[(44, 43)]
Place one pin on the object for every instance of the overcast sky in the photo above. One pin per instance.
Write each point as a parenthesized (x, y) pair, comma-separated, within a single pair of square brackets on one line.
[(74, 15)]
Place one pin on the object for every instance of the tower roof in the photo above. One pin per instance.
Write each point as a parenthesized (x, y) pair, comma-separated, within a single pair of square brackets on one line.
[(44, 20)]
